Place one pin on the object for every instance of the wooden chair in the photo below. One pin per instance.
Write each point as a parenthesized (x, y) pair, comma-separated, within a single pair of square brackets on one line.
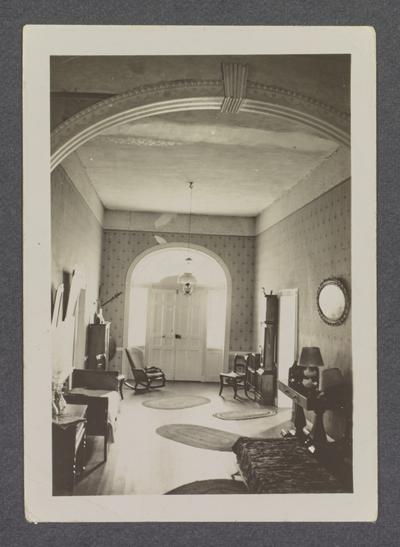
[(144, 378), (236, 377)]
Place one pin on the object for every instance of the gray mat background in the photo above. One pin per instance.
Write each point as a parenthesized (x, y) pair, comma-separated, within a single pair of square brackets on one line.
[(384, 15)]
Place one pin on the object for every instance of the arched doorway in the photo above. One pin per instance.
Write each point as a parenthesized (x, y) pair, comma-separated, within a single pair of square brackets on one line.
[(188, 336)]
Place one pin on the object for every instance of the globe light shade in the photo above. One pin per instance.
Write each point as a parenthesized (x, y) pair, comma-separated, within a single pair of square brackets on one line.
[(188, 281), (187, 289)]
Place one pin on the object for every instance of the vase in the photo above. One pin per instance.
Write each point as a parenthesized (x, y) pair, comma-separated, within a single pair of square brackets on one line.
[(58, 403)]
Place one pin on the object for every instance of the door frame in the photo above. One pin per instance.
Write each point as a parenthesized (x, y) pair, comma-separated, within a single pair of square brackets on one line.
[(179, 245), (295, 293)]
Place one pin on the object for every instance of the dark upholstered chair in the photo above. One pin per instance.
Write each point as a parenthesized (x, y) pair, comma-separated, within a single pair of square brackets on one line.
[(144, 378), (99, 390)]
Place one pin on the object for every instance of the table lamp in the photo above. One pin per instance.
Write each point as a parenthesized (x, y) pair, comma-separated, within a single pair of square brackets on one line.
[(311, 360)]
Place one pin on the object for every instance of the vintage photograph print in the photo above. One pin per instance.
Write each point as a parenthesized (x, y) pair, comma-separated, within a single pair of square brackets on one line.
[(200, 314)]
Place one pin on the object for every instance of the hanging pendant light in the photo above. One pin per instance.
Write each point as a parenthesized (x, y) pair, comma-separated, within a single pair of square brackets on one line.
[(187, 280)]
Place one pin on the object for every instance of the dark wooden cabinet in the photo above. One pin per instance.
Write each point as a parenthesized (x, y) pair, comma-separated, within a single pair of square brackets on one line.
[(252, 381), (258, 381), (261, 381), (268, 380), (270, 331), (69, 448), (98, 346)]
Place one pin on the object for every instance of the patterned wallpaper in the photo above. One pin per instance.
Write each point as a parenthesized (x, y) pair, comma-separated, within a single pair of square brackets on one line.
[(120, 248), (299, 252), (76, 238)]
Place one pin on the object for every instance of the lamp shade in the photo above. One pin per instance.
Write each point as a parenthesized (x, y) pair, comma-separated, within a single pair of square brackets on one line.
[(311, 357), (187, 277)]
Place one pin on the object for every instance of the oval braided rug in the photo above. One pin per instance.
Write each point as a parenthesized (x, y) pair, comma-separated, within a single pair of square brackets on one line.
[(176, 402), (245, 414), (212, 486), (199, 436)]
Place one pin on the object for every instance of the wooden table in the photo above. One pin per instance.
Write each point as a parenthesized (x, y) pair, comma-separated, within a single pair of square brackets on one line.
[(308, 400), (69, 448), (335, 456)]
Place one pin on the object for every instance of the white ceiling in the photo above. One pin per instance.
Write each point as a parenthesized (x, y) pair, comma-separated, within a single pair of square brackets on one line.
[(240, 163)]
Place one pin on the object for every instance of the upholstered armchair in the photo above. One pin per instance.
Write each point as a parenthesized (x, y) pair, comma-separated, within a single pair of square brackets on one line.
[(100, 390)]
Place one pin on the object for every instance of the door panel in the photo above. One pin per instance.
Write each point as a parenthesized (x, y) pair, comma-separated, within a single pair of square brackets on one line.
[(160, 341), (190, 326), (176, 329)]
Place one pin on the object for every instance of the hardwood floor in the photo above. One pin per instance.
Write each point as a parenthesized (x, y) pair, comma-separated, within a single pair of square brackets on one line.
[(142, 462)]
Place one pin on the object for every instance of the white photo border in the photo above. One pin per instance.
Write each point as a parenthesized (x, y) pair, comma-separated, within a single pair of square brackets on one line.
[(43, 41)]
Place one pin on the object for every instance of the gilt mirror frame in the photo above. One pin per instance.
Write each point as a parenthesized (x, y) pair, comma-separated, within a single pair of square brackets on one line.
[(334, 321)]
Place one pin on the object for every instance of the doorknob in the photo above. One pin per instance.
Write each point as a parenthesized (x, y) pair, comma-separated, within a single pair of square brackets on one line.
[(178, 336)]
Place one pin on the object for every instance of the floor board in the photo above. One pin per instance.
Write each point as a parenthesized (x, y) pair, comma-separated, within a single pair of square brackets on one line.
[(142, 462)]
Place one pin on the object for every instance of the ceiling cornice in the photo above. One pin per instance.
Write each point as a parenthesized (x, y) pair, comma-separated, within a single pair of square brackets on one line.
[(141, 221)]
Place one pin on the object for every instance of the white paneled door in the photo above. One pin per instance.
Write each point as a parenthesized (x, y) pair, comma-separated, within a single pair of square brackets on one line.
[(160, 332), (176, 333), (190, 327)]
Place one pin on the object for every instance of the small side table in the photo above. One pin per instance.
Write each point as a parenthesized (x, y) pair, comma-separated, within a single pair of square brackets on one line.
[(231, 379), (314, 401), (69, 448)]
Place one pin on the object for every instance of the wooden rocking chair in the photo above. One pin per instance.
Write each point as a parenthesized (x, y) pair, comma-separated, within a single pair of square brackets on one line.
[(144, 378)]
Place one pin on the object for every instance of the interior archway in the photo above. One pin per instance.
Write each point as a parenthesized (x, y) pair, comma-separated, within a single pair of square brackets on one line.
[(186, 95), (157, 270)]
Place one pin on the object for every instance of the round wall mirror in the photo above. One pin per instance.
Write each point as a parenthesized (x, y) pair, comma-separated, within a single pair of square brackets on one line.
[(333, 301)]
